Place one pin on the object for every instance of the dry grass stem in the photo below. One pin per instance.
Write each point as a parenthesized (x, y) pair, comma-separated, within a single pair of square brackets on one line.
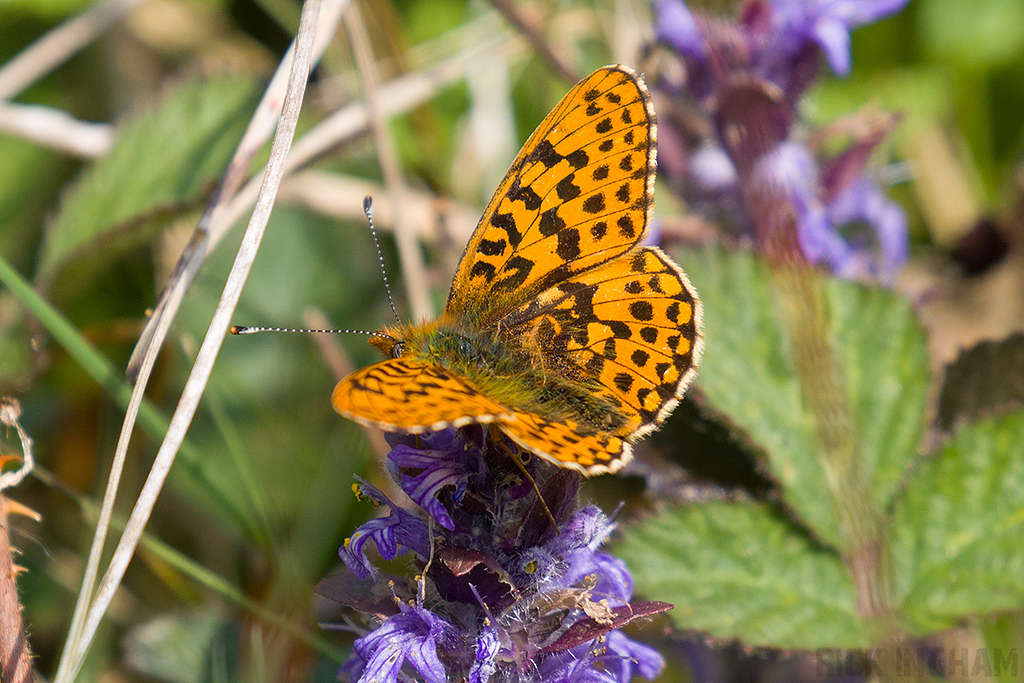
[(429, 217), (84, 628), (56, 129), (413, 268)]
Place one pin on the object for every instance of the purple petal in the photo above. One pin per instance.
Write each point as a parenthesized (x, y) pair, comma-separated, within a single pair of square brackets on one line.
[(865, 201), (572, 666), (789, 173), (632, 655), (383, 665), (410, 636), (487, 646), (834, 39), (855, 13), (712, 169), (450, 466), (614, 580), (676, 26), (827, 23), (397, 532)]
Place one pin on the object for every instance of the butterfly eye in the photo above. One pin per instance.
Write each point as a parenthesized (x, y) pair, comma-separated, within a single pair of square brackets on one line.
[(398, 350), (465, 348)]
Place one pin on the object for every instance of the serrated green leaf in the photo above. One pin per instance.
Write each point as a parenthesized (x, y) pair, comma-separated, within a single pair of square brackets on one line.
[(734, 571), (748, 373), (958, 526), (162, 162)]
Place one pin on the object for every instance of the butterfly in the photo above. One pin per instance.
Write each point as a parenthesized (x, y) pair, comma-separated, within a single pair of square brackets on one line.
[(559, 329)]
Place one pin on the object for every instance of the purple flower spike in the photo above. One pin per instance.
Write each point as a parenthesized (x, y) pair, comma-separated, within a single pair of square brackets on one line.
[(733, 140), (501, 594)]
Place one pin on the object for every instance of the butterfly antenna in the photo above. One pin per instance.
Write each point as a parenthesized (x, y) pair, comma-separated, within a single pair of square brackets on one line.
[(245, 329), (368, 210)]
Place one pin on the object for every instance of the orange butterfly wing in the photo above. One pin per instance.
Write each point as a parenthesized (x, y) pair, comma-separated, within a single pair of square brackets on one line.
[(401, 394), (579, 193), (632, 324), (563, 444)]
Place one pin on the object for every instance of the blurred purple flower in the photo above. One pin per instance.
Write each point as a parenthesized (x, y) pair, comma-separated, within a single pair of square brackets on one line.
[(864, 202), (827, 23), (747, 75), (502, 594)]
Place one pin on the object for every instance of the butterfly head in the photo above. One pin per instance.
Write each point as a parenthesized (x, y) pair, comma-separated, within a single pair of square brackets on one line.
[(389, 343)]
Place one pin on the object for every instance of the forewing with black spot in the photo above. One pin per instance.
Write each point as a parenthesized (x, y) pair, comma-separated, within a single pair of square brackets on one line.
[(579, 194)]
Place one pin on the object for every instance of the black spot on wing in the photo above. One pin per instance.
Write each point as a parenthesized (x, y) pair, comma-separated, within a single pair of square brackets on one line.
[(550, 222), (482, 269), (622, 194), (567, 188), (568, 248), (594, 203), (527, 195), (491, 247), (505, 223), (672, 312), (620, 329), (578, 159), (543, 153), (623, 381), (641, 310), (640, 358), (514, 273), (625, 223)]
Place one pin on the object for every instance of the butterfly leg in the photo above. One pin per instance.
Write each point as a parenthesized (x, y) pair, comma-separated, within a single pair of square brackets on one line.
[(499, 439)]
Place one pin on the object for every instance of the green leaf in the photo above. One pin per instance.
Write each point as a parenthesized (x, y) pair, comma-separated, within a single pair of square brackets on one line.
[(748, 373), (162, 162), (957, 528), (735, 571)]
